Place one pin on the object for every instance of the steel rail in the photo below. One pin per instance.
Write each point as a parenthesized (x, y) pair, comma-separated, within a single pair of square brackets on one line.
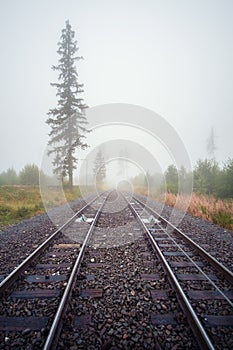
[(201, 336), (55, 329), (11, 278), (219, 266)]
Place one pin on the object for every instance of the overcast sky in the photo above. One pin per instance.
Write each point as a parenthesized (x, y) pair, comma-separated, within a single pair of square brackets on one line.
[(174, 57)]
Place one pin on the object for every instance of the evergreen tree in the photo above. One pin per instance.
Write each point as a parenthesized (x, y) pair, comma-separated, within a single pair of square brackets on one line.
[(12, 176), (9, 177), (211, 147), (59, 168), (29, 175), (171, 177), (206, 173), (122, 163), (185, 180), (225, 181), (99, 168), (67, 121)]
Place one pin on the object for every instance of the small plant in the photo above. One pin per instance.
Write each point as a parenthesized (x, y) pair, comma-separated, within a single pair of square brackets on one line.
[(223, 219), (205, 212)]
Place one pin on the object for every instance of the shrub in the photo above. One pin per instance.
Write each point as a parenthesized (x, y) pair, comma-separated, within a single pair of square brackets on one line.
[(222, 218)]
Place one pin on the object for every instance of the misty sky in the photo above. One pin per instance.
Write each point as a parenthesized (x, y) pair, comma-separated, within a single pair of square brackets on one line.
[(174, 57)]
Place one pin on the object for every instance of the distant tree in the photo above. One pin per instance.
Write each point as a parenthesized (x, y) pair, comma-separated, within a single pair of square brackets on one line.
[(3, 178), (210, 145), (171, 177), (9, 177), (29, 175), (206, 174), (153, 182), (123, 163), (225, 182), (148, 182), (67, 121), (228, 171), (99, 169), (139, 180), (12, 176), (185, 180)]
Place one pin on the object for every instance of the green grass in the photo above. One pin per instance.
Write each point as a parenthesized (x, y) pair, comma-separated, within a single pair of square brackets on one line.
[(22, 202)]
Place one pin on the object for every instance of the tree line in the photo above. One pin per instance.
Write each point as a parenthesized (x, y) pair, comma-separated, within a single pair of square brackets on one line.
[(207, 176), (29, 175)]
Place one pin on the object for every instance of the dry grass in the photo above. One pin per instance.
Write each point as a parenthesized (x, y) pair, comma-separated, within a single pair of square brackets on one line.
[(20, 202), (209, 208)]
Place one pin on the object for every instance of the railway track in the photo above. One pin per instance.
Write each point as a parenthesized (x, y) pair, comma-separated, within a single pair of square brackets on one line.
[(128, 284), (46, 275), (195, 276)]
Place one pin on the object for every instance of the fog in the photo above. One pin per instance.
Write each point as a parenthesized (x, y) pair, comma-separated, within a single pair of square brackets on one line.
[(173, 58)]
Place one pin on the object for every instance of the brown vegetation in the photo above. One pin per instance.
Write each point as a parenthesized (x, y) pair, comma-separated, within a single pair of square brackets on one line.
[(218, 211)]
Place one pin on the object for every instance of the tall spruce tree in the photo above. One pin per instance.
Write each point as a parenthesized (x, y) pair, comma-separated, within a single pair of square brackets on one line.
[(210, 145), (67, 121)]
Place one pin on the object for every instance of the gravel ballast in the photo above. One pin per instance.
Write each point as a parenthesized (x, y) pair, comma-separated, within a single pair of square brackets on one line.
[(133, 305)]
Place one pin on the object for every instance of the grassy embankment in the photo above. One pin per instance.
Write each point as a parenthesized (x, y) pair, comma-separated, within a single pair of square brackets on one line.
[(218, 211), (21, 202)]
